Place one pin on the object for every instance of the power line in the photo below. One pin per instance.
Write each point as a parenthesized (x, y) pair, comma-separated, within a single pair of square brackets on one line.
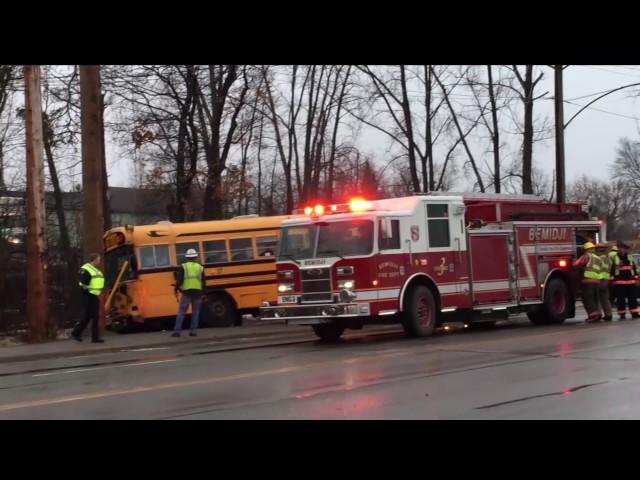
[(634, 68), (603, 111), (589, 95), (610, 71)]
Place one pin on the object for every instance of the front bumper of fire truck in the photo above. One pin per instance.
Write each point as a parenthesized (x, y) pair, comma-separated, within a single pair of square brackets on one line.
[(316, 313)]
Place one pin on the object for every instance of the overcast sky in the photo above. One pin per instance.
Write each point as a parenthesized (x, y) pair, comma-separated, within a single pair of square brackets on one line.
[(590, 139)]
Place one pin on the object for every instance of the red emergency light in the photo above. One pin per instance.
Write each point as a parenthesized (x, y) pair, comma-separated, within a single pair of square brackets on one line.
[(317, 210), (355, 205)]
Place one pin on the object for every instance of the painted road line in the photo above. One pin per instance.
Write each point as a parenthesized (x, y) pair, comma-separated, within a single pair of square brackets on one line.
[(80, 370)]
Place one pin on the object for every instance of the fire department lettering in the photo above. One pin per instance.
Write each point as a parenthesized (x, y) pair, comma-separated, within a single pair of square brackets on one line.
[(393, 265), (548, 233), (390, 265), (314, 262)]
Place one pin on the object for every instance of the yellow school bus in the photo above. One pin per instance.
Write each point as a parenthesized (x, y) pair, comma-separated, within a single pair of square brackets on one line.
[(238, 255)]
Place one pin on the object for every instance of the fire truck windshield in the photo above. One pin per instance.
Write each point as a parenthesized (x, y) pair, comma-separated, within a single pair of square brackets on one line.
[(340, 239)]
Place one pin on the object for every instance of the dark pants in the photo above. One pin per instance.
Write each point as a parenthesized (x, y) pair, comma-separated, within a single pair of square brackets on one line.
[(590, 293), (90, 313), (604, 299), (625, 295)]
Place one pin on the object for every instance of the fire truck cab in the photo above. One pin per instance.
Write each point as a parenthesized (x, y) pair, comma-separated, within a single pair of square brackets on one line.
[(427, 259)]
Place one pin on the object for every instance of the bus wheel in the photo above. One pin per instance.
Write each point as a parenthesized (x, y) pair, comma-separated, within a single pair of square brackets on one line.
[(328, 332), (420, 312), (218, 310), (122, 326)]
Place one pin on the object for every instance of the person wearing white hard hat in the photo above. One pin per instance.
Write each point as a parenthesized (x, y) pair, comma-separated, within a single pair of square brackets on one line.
[(191, 282)]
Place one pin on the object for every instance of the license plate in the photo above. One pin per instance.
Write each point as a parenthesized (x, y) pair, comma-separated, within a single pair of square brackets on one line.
[(287, 299)]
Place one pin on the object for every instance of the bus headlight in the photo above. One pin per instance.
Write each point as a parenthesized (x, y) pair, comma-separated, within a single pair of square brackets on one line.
[(285, 287)]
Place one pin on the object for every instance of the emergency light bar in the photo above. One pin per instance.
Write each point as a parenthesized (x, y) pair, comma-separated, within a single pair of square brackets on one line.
[(355, 205)]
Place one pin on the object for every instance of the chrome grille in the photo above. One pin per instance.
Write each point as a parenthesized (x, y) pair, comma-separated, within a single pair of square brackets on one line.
[(316, 285)]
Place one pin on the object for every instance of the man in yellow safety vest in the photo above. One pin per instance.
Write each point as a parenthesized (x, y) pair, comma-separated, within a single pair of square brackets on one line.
[(191, 281), (590, 285), (91, 285)]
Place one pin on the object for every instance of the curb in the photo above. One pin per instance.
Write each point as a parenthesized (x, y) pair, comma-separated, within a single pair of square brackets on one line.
[(73, 352)]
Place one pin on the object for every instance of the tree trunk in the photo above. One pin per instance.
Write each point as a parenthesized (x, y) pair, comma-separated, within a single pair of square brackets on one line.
[(495, 135), (406, 110), (527, 147), (428, 133)]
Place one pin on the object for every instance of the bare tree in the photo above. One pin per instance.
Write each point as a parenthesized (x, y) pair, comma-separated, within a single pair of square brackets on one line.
[(277, 120), (218, 110), (305, 106), (626, 166), (158, 119), (8, 74), (383, 89), (497, 101), (527, 85), (611, 202), (462, 135)]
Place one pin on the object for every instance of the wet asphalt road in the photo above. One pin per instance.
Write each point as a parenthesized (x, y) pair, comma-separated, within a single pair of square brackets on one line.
[(515, 371)]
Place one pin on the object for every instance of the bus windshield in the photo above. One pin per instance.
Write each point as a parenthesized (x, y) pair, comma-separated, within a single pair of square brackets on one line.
[(113, 261), (340, 239)]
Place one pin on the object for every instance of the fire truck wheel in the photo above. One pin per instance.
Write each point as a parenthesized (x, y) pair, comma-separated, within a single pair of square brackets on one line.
[(218, 310), (420, 312), (328, 332), (556, 304)]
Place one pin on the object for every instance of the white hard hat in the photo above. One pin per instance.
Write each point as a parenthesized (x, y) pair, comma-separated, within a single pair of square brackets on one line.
[(191, 253)]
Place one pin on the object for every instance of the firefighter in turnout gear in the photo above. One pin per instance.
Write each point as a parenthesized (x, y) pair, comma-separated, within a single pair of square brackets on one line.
[(612, 287), (590, 285), (91, 284), (605, 278), (191, 281), (625, 278)]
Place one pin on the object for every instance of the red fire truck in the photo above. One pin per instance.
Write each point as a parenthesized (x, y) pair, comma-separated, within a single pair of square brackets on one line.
[(428, 259)]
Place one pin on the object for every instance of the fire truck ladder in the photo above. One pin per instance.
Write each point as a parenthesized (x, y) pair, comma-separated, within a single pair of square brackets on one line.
[(498, 197)]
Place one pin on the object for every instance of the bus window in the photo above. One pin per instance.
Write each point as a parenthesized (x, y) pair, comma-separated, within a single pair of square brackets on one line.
[(114, 260), (181, 250), (241, 249), (215, 251), (267, 246), (154, 256)]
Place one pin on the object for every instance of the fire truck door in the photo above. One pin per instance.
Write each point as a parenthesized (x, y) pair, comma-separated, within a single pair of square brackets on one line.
[(493, 268)]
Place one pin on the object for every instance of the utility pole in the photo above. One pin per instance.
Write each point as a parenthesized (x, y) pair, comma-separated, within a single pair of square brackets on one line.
[(37, 291), (105, 179), (92, 170), (559, 113)]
